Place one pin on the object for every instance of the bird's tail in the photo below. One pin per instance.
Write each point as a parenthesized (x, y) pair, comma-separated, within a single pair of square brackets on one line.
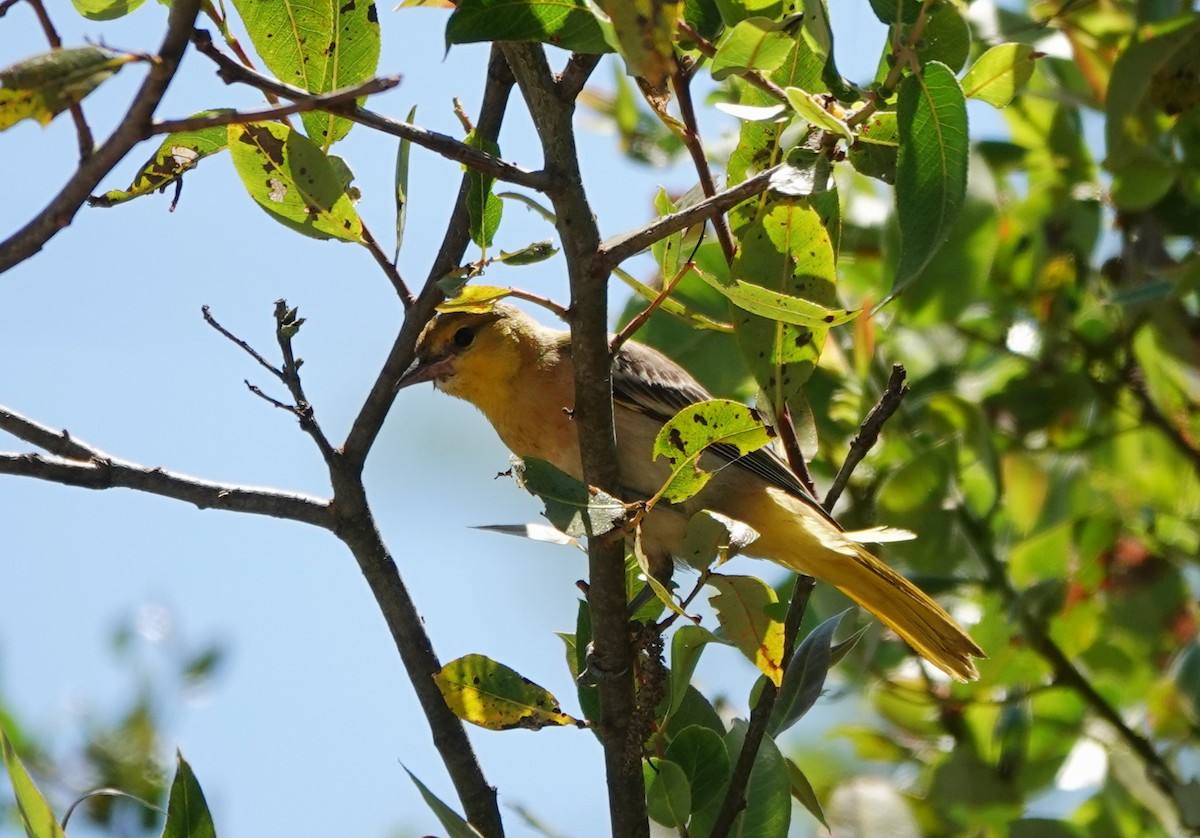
[(905, 609)]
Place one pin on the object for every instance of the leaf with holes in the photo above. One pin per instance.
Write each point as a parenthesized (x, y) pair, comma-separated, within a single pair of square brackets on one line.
[(180, 152), (689, 433), (294, 181)]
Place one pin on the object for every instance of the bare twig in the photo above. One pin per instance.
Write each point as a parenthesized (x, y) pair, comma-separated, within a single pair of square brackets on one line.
[(324, 100), (231, 72), (82, 129), (868, 433), (587, 269), (561, 312), (287, 325), (388, 267), (245, 347), (133, 128), (637, 322), (695, 147), (271, 400), (75, 463), (615, 250)]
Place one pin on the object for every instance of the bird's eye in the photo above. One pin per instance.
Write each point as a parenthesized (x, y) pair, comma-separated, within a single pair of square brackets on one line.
[(464, 337)]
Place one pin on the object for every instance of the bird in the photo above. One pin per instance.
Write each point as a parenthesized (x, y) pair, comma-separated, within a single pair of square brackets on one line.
[(519, 374)]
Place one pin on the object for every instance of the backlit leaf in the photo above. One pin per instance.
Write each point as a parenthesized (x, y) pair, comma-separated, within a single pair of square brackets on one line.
[(742, 610), (489, 694), (685, 438), (999, 74), (34, 812)]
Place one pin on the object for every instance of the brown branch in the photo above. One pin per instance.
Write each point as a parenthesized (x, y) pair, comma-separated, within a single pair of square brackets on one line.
[(388, 267), (637, 322), (691, 141), (575, 75), (231, 72), (74, 463), (620, 247), (751, 77), (132, 129), (378, 402), (82, 129), (613, 653), (245, 347), (868, 433), (336, 97)]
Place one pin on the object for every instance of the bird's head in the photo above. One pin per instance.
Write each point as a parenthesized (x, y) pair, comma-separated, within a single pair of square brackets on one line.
[(472, 355)]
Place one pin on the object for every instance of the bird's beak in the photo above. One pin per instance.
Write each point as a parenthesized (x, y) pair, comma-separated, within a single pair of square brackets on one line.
[(429, 369)]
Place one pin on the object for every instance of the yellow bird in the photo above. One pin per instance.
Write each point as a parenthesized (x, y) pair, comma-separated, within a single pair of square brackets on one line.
[(520, 375)]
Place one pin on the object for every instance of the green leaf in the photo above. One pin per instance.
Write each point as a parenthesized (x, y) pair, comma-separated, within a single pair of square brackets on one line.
[(35, 813), (587, 691), (187, 811), (701, 753), (180, 152), (319, 47), (105, 9), (931, 172), (742, 610), (999, 74), (768, 794), (293, 181), (803, 791), (947, 38), (687, 644), (489, 694), (46, 85), (668, 798), (403, 153), (483, 207), (876, 147), (571, 505), (788, 249), (896, 11), (753, 44), (477, 299), (455, 825), (569, 24), (689, 433), (805, 676), (779, 307)]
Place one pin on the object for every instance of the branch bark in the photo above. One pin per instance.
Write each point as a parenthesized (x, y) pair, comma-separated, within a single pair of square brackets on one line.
[(613, 652), (134, 127)]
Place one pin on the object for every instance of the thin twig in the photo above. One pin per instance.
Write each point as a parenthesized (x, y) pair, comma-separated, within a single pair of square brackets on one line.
[(901, 55), (695, 147), (287, 325), (751, 77), (132, 129), (388, 267), (620, 247), (243, 345), (324, 100), (82, 129), (637, 322), (271, 400), (75, 463), (868, 433), (562, 312), (231, 72)]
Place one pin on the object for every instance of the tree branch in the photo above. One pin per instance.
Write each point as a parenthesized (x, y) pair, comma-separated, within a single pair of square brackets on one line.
[(448, 147), (74, 463), (378, 402), (695, 147), (620, 247), (613, 653), (132, 129), (82, 129), (868, 433)]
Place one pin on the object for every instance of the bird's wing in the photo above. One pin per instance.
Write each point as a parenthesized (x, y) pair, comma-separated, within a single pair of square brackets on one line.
[(649, 382)]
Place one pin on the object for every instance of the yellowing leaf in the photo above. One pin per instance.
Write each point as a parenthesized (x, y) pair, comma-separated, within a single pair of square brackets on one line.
[(645, 30), (742, 611), (489, 694), (46, 85)]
